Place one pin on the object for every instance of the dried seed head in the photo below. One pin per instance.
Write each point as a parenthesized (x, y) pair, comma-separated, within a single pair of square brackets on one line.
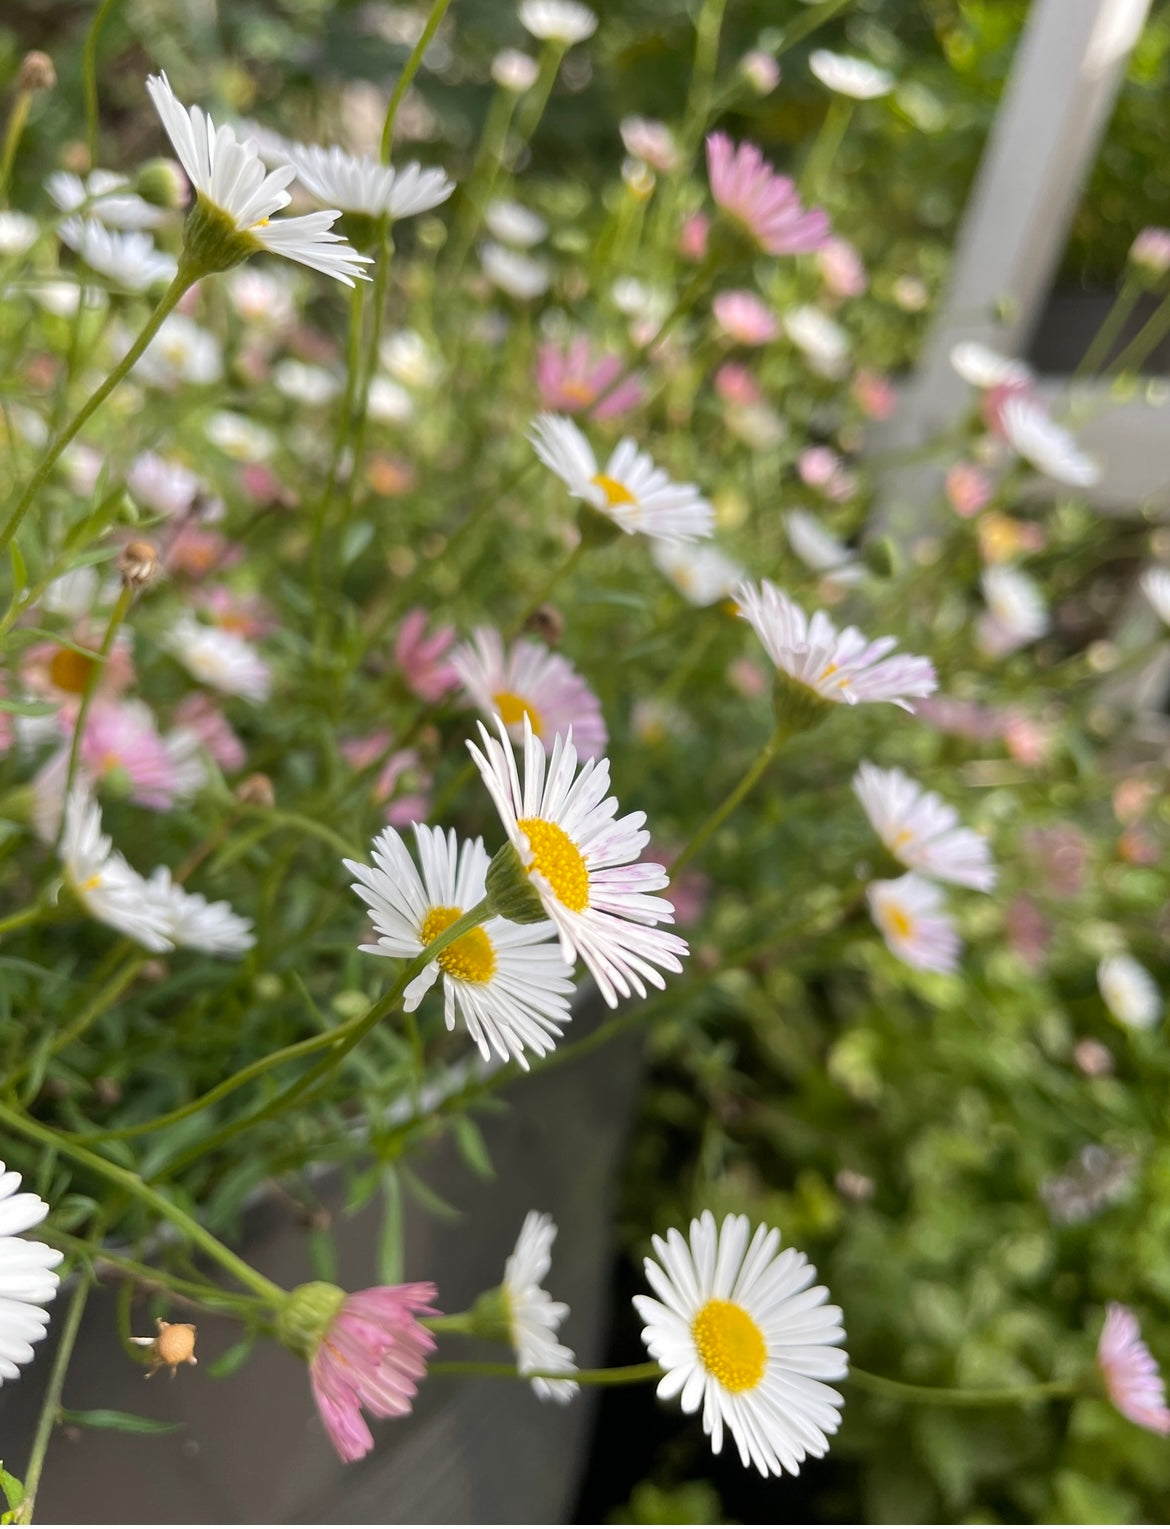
[(256, 791), (138, 565), (173, 1345), (36, 73)]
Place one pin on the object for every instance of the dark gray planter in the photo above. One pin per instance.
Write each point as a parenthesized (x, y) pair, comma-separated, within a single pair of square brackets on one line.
[(252, 1449)]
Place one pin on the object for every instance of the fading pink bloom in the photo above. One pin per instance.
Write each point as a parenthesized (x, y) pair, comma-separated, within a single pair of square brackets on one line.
[(1060, 855), (372, 1356), (262, 486), (526, 679), (1028, 742), (960, 718), (1150, 252), (248, 615), (1133, 797), (196, 551), (395, 767), (420, 657), (650, 141), (842, 269), (692, 238), (744, 318), (122, 737), (690, 890), (57, 673), (747, 678), (968, 489), (766, 205), (1130, 1372), (736, 385), (874, 394), (1092, 1058), (1137, 846), (571, 380), (841, 486), (995, 400), (199, 715), (1028, 932), (818, 465)]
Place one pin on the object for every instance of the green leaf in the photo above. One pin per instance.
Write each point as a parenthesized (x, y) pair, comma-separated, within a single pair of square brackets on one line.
[(427, 1197), (19, 582), (232, 1359), (12, 1488), (120, 1422), (21, 708), (472, 1147)]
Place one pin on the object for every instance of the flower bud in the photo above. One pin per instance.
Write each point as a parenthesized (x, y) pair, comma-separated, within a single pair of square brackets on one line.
[(761, 71), (162, 183), (510, 892), (307, 1315), (138, 565), (1150, 253), (36, 73), (513, 70), (256, 791)]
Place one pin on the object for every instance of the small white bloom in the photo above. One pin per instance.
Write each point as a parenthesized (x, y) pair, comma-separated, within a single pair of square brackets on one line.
[(702, 574), (312, 386), (514, 71), (181, 351), (636, 300), (229, 177), (103, 195), (520, 276), (822, 342), (1130, 993), (260, 297), (239, 437), (513, 223), (388, 402), (848, 76), (103, 881), (166, 487), (367, 186), (1047, 446), (195, 924), (742, 1332), (411, 360), (921, 830), (983, 367), (913, 922), (1155, 584), (533, 1316), (818, 549), (564, 21), (129, 260), (1015, 614), (18, 233), (507, 980), (27, 1277), (219, 658), (631, 491), (650, 141), (73, 594)]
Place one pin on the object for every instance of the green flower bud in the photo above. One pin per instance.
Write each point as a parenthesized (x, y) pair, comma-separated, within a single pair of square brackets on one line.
[(491, 1316), (510, 892), (798, 708), (597, 530), (307, 1315)]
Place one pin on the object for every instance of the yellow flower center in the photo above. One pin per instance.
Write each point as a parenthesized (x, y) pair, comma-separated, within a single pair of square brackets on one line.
[(900, 840), (559, 861), (615, 492), (91, 883), (900, 922), (70, 671), (730, 1344), (512, 709), (579, 393), (470, 958)]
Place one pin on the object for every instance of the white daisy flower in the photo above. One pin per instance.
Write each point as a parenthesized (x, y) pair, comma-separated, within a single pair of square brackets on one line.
[(263, 298), (1045, 445), (196, 924), (533, 1315), (233, 189), (910, 915), (921, 830), (388, 402), (822, 341), (520, 276), (1130, 993), (312, 386), (983, 367), (742, 1332), (631, 491), (818, 549), (103, 881), (514, 71), (411, 360), (239, 437), (74, 594), (219, 658), (130, 260), (1015, 615), (563, 21), (837, 666), (702, 574), (849, 76), (27, 1277), (181, 351), (365, 185), (528, 680), (507, 980), (103, 195), (1155, 584), (513, 223), (581, 861), (18, 233)]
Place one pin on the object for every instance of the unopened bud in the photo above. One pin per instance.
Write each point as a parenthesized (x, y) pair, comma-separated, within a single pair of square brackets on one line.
[(881, 557), (513, 70), (547, 623), (761, 71), (138, 565), (36, 73), (256, 791), (161, 182)]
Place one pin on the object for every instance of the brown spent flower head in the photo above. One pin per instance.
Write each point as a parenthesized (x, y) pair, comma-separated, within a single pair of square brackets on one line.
[(256, 791), (547, 623), (173, 1345), (36, 73), (138, 565)]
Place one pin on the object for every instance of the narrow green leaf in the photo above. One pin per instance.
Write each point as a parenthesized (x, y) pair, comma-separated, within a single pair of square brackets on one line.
[(120, 1422), (21, 708), (427, 1197), (233, 1358), (12, 1488), (472, 1147)]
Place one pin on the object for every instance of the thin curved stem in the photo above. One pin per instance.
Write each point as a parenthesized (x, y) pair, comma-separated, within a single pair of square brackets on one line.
[(1147, 339), (731, 801), (117, 616), (89, 77), (409, 70), (1114, 322), (945, 1396), (51, 1405), (623, 1375)]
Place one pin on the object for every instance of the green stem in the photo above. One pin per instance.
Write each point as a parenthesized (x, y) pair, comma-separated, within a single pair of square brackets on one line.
[(528, 118), (193, 1292), (19, 920), (97, 1006), (809, 22), (476, 190), (410, 69), (12, 136), (170, 299), (943, 1396), (51, 1406), (117, 616), (136, 1186), (561, 572), (731, 801), (623, 1375), (1151, 334), (1114, 322), (345, 423), (825, 146), (698, 109), (89, 77)]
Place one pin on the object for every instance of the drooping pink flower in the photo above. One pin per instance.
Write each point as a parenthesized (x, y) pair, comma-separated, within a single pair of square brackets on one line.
[(1130, 1372), (842, 269), (968, 489), (743, 317), (199, 714), (763, 203), (736, 385), (692, 237), (372, 1356), (875, 395), (420, 657), (572, 379)]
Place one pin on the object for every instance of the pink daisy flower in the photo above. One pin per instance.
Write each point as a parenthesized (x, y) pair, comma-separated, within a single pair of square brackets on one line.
[(874, 394), (528, 680), (744, 318), (842, 269), (765, 204), (420, 657), (1130, 1372), (692, 238), (572, 379), (372, 1356), (736, 385), (968, 489), (199, 715)]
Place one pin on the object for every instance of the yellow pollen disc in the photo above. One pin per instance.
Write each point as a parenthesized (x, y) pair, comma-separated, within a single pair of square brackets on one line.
[(70, 671), (578, 392), (512, 708), (91, 884), (263, 223), (470, 958), (615, 492), (730, 1345), (559, 861), (903, 837), (901, 923)]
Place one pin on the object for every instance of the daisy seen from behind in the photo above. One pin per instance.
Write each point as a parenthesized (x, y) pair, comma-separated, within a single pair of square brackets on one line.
[(1048, 447), (27, 1275), (848, 76), (741, 1331), (1130, 1372), (366, 186), (563, 21), (630, 491), (571, 856), (1131, 995), (507, 981), (235, 198), (532, 1315), (527, 680), (921, 831), (765, 205)]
